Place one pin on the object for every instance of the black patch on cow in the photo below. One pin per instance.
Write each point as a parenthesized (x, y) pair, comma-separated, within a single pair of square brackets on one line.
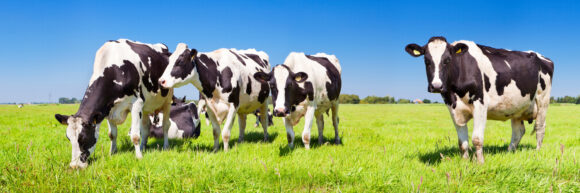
[(486, 82), (461, 76), (154, 65), (238, 57), (523, 69), (86, 140), (140, 115), (116, 41), (293, 93), (208, 74), (257, 59), (264, 92), (333, 87), (225, 80), (249, 86), (235, 95), (309, 90), (542, 83), (183, 65)]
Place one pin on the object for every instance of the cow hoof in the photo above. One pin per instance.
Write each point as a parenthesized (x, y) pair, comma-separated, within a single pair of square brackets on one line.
[(338, 142), (291, 145), (139, 156), (266, 139), (307, 146)]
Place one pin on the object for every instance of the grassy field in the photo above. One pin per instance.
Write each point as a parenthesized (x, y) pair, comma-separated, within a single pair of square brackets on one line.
[(386, 148)]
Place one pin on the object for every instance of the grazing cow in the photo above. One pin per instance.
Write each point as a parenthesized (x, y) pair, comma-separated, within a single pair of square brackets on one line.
[(305, 85), (483, 83), (184, 121), (124, 80), (225, 79)]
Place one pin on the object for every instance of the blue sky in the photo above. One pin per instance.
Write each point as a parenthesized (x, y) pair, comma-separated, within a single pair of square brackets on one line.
[(49, 46)]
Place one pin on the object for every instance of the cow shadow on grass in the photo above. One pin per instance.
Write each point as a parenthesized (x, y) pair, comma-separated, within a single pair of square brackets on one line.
[(180, 145), (285, 150), (433, 158), (255, 137)]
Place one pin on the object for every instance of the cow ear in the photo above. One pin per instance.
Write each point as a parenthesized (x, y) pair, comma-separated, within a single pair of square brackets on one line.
[(459, 48), (300, 77), (97, 117), (62, 119), (183, 99), (193, 54), (262, 77), (414, 50)]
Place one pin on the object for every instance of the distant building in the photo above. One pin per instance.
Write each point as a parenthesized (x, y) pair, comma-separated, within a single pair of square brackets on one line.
[(418, 101)]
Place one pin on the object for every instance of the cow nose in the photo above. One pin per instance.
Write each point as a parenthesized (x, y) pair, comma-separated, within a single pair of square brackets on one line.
[(435, 88), (279, 112), (162, 82)]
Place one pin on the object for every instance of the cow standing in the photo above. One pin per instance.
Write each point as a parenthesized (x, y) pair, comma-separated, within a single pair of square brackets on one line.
[(305, 85), (225, 79), (184, 121), (484, 83), (124, 80)]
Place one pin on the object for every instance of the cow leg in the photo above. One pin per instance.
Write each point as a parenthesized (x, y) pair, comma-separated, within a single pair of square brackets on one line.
[(113, 137), (228, 126), (146, 122), (463, 140), (166, 124), (264, 121), (216, 128), (335, 123), (518, 130), (308, 118), (540, 124), (479, 121), (242, 124), (320, 124), (289, 132), (137, 125)]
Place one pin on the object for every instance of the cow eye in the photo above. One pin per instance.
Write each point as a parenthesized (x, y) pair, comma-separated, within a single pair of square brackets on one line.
[(446, 61)]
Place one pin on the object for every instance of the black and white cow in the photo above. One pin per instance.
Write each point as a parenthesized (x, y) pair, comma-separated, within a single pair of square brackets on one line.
[(183, 118), (305, 85), (125, 79), (225, 79), (484, 83), (258, 115)]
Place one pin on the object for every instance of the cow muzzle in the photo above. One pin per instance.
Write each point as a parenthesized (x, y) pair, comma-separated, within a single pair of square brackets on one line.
[(280, 112), (435, 87), (163, 82)]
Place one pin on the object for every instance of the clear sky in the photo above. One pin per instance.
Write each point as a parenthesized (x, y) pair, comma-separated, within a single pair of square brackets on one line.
[(48, 47)]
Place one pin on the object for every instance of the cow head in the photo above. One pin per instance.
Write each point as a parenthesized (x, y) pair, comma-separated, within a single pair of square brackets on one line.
[(288, 88), (181, 67), (439, 57), (83, 135)]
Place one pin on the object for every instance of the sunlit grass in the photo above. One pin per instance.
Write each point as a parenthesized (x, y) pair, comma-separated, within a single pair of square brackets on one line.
[(386, 148)]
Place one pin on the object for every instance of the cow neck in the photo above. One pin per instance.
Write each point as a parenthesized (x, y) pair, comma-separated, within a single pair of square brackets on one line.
[(94, 105), (195, 79)]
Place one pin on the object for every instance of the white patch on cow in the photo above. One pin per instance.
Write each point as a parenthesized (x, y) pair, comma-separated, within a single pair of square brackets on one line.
[(508, 64), (281, 75), (118, 83), (539, 55), (437, 48)]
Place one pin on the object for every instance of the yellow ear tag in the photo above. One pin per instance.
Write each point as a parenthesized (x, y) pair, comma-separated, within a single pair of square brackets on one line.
[(298, 78), (458, 51), (94, 122), (416, 52), (192, 57)]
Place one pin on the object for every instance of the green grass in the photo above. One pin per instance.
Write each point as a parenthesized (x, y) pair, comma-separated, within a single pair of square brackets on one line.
[(386, 148)]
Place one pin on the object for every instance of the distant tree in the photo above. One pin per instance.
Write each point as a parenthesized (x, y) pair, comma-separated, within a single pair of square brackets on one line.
[(349, 99), (403, 101), (426, 101), (64, 100)]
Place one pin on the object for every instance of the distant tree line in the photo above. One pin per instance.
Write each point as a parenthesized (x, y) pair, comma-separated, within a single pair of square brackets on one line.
[(64, 100), (565, 99), (354, 99)]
